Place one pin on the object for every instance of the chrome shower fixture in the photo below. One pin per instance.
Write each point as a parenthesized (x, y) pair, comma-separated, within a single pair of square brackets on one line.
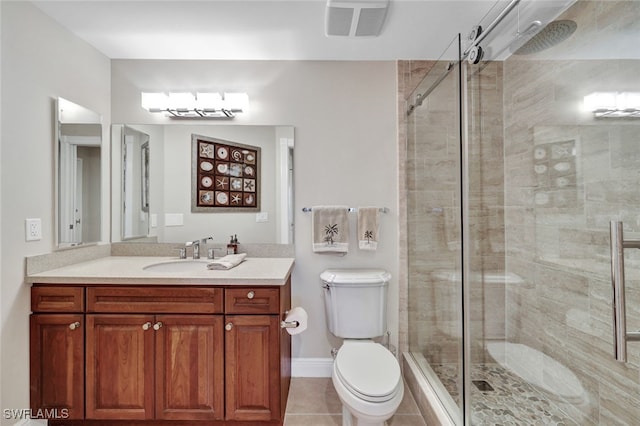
[(553, 33)]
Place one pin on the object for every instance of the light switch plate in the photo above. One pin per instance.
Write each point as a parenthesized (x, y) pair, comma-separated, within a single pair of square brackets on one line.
[(262, 217), (33, 229)]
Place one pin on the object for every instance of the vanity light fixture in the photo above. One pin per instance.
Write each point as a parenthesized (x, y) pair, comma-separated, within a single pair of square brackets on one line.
[(613, 104), (202, 105)]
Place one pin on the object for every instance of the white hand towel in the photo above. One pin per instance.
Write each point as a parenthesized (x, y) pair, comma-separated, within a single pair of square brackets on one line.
[(368, 228), (330, 229), (227, 262)]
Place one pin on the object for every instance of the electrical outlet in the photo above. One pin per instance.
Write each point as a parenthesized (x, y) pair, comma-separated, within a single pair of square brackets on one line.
[(33, 229)]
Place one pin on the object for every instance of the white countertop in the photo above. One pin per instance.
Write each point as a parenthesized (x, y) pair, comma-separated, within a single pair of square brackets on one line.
[(129, 270)]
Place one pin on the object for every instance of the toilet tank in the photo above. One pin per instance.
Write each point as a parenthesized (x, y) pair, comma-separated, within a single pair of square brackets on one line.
[(356, 302)]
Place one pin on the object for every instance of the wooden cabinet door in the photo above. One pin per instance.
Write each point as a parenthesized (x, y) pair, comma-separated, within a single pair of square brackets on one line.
[(119, 366), (252, 373), (57, 364), (190, 367)]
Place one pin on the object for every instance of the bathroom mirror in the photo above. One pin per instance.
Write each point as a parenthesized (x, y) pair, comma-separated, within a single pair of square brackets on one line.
[(169, 217), (78, 174)]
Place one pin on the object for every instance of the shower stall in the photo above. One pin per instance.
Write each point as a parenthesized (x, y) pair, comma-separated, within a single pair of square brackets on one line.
[(522, 166)]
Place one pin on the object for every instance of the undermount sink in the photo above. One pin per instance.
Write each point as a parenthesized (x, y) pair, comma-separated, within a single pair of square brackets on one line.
[(183, 265)]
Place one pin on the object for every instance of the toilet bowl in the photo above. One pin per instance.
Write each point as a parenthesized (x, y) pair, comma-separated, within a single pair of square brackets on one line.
[(366, 376), (367, 379)]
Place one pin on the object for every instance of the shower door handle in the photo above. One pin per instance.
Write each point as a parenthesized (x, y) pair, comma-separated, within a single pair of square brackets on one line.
[(620, 335)]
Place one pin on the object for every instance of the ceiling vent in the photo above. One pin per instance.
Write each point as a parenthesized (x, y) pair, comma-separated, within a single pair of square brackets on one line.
[(355, 18)]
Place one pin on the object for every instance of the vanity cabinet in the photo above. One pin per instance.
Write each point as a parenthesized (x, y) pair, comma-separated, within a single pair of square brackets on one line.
[(57, 363), (119, 367), (252, 351), (154, 353), (164, 367), (57, 351), (159, 354)]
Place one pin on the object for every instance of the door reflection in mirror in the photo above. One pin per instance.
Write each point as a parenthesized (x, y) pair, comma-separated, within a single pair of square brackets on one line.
[(79, 174)]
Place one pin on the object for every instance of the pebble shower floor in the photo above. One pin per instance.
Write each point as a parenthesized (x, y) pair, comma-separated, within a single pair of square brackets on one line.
[(510, 401)]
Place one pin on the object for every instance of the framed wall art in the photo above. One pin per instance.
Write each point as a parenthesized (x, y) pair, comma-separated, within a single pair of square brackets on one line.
[(225, 176)]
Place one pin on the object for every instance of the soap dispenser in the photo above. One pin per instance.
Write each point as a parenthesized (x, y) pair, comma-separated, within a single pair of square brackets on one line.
[(231, 248), (235, 244)]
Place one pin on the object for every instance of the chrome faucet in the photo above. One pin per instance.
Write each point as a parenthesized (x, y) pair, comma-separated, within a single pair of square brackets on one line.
[(196, 246), (196, 249), (209, 251)]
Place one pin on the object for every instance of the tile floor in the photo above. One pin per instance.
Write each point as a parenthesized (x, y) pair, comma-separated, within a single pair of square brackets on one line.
[(314, 402)]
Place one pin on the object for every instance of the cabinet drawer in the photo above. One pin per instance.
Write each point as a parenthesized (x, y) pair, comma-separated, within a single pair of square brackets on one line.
[(57, 299), (252, 300), (155, 300)]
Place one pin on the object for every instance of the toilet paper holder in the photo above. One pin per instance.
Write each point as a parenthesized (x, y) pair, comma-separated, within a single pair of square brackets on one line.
[(294, 321), (289, 324)]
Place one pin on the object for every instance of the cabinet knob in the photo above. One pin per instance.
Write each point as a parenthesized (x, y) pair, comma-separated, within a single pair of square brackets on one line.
[(229, 326), (157, 325), (251, 295), (146, 325), (74, 325)]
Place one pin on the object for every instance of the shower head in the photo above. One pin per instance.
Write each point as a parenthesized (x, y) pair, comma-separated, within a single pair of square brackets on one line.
[(552, 34)]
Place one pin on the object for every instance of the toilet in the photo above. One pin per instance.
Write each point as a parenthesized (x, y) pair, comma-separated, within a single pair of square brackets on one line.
[(366, 375)]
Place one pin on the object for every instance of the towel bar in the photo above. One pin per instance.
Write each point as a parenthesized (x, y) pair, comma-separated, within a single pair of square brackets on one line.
[(351, 209), (620, 334)]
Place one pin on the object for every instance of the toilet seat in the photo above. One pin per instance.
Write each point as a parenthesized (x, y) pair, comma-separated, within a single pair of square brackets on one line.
[(368, 370)]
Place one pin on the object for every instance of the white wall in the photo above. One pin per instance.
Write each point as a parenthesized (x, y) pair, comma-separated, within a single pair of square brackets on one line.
[(344, 115), (40, 61)]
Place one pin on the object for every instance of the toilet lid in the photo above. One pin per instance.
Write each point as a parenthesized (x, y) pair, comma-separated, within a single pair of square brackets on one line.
[(368, 370)]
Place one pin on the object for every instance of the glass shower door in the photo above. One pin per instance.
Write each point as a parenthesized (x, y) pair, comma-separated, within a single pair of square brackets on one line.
[(546, 177), (434, 232)]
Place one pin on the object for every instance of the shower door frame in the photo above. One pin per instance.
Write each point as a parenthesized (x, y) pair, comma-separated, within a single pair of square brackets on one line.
[(464, 239)]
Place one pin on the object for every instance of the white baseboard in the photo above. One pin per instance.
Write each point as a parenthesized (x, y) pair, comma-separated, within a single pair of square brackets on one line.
[(311, 367)]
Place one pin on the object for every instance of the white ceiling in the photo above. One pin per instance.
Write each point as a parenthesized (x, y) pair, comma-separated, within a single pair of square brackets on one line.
[(260, 29)]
